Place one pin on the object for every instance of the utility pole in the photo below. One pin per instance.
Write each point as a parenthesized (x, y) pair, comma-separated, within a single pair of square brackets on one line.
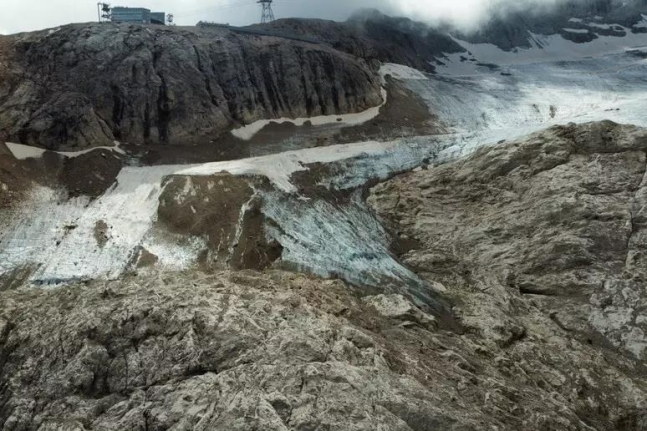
[(103, 10), (268, 15)]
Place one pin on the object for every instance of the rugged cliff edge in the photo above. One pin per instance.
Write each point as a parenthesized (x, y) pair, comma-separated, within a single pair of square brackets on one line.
[(539, 243), (89, 84), (372, 35)]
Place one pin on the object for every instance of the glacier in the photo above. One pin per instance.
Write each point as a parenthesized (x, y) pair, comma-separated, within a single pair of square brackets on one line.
[(483, 98)]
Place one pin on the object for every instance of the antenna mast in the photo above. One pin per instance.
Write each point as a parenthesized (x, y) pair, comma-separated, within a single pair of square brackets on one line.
[(104, 12), (268, 15)]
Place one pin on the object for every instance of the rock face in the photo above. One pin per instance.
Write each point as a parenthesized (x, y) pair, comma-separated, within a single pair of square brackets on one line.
[(538, 243), (553, 227), (87, 85), (374, 36)]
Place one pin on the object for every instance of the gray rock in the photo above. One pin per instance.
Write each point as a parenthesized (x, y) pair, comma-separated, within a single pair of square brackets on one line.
[(371, 35), (185, 351), (89, 84), (556, 218), (399, 308)]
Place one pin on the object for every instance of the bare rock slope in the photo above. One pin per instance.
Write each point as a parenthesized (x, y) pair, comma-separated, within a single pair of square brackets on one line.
[(558, 220), (538, 244), (89, 84)]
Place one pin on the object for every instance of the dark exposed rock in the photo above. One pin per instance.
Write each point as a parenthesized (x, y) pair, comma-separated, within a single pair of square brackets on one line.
[(374, 36), (87, 85)]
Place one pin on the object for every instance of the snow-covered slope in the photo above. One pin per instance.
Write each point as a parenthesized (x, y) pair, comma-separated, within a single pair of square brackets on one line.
[(487, 96), (500, 94), (57, 237)]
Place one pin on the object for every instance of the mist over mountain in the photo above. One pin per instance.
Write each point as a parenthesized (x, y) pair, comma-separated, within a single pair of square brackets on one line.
[(471, 15), (466, 15), (508, 26)]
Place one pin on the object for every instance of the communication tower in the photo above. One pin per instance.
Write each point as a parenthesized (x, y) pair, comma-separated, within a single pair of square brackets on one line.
[(104, 11), (268, 15)]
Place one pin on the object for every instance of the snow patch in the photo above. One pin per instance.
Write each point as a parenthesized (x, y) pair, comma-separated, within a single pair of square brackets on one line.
[(72, 154), (600, 26), (483, 105), (401, 72), (173, 255), (398, 71), (543, 49), (23, 152), (247, 132), (643, 23), (576, 30), (57, 235), (280, 167)]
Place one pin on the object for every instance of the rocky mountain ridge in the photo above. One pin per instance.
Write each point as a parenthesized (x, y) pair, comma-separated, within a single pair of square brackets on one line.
[(375, 36), (88, 85)]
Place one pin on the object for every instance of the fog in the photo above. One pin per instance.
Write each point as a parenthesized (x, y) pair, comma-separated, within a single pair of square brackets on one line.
[(465, 14), (28, 15)]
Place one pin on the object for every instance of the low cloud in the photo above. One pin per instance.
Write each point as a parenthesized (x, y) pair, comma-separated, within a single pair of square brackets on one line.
[(16, 16), (465, 14)]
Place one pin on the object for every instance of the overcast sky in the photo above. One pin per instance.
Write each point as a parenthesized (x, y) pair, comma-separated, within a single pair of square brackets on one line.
[(27, 15)]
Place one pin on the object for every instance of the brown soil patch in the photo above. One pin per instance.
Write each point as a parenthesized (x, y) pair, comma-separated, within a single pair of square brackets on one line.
[(14, 181), (219, 208), (17, 177), (16, 278), (252, 251), (144, 258), (101, 233), (90, 174), (308, 183), (223, 148), (404, 114)]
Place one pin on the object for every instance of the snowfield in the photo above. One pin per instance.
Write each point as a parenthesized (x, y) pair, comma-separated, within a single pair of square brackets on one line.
[(503, 95), (23, 152), (485, 97), (247, 132)]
